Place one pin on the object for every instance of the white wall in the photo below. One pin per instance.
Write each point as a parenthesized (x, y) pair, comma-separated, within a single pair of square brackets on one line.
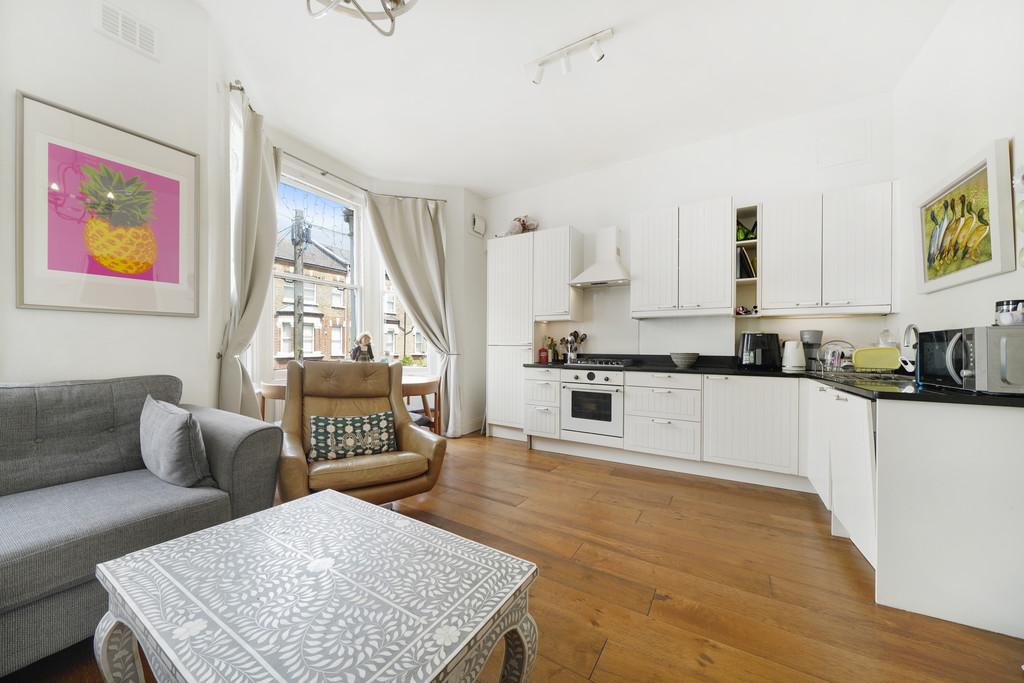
[(51, 50), (836, 147), (949, 105)]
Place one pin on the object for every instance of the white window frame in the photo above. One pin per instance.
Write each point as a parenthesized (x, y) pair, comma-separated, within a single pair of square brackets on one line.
[(337, 341), (338, 297), (366, 266), (282, 323), (419, 343)]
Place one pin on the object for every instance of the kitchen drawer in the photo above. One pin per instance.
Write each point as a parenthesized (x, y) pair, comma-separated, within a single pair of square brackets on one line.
[(675, 404), (541, 391), (542, 373), (672, 380), (540, 420), (674, 438)]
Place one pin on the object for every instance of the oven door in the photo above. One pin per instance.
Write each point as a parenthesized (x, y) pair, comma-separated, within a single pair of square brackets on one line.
[(592, 409), (940, 358)]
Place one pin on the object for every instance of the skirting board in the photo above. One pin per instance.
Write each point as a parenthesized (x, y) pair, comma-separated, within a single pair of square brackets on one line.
[(660, 462)]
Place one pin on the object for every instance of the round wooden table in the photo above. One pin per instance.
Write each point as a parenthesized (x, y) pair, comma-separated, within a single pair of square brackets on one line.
[(412, 385), (416, 385)]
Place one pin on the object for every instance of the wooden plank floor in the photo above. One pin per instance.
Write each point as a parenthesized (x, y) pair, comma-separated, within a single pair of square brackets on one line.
[(654, 576)]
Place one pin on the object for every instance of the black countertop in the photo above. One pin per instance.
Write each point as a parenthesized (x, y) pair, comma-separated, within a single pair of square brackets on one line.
[(873, 390)]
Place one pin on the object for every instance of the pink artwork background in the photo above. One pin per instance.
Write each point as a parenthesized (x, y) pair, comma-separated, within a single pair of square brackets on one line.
[(67, 216)]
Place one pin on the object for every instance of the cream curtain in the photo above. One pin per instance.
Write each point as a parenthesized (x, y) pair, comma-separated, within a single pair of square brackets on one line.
[(410, 234), (255, 171)]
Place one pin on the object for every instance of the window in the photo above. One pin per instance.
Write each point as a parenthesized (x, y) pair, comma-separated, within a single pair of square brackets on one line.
[(322, 214), (389, 304), (308, 338), (337, 341), (419, 344), (286, 338), (390, 336)]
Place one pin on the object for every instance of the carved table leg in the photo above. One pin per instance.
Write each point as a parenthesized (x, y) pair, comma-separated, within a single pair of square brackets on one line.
[(117, 651), (520, 651)]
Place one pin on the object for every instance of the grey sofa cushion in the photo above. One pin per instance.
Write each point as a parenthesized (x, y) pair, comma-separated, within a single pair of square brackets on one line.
[(52, 538), (172, 445), (65, 431)]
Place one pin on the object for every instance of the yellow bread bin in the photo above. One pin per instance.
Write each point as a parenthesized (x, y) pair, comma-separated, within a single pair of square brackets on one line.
[(876, 358)]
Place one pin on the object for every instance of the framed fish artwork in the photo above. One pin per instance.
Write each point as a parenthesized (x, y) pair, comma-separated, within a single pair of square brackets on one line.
[(966, 226), (107, 218)]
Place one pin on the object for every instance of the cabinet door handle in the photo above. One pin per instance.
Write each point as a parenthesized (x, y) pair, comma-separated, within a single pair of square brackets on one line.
[(661, 391), (716, 377), (841, 398), (820, 389), (542, 410), (838, 303), (807, 303), (543, 384), (660, 422), (664, 308)]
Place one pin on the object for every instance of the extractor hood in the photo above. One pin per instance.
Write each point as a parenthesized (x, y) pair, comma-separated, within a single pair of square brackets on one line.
[(607, 270)]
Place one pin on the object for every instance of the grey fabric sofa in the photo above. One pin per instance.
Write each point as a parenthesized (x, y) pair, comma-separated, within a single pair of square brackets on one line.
[(74, 492)]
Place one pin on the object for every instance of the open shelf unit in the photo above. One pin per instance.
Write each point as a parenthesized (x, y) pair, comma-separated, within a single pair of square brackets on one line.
[(745, 272)]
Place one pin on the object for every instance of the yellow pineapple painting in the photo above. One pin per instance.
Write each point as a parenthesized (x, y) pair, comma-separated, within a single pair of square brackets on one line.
[(117, 234)]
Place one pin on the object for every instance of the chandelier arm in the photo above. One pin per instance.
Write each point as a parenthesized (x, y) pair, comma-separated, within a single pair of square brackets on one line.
[(324, 10), (371, 22)]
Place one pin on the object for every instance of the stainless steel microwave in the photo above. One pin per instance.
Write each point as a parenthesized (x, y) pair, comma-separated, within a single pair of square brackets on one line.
[(984, 359)]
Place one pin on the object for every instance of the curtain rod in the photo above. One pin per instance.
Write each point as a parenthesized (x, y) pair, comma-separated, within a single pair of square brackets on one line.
[(325, 172)]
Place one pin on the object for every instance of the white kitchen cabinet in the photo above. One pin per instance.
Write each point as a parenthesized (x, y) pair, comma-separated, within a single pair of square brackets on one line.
[(654, 261), (509, 290), (541, 391), (856, 247), (557, 259), (679, 404), (752, 422), (505, 379), (790, 253), (852, 463), (817, 432), (662, 436), (706, 256), (540, 420)]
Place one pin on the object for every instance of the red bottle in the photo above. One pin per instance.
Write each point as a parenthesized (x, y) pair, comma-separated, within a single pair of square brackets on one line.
[(543, 357)]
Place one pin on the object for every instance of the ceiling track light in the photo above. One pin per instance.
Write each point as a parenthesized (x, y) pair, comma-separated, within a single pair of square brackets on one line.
[(563, 55)]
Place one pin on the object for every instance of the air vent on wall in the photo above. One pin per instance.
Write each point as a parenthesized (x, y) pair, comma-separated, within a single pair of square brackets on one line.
[(121, 26)]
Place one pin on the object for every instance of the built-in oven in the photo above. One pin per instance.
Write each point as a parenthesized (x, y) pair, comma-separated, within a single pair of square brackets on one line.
[(593, 406), (985, 359)]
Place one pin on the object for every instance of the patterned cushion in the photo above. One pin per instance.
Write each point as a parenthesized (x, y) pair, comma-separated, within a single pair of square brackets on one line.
[(332, 438)]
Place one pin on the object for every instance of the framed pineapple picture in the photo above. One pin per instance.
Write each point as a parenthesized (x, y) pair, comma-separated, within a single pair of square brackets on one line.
[(107, 218)]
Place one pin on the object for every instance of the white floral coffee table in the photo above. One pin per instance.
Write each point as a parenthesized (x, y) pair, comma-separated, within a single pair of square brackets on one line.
[(325, 588)]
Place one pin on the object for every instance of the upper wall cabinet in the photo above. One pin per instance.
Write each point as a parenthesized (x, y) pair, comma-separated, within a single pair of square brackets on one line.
[(681, 260), (557, 259), (706, 235), (856, 248), (790, 268), (828, 253), (654, 262), (509, 290)]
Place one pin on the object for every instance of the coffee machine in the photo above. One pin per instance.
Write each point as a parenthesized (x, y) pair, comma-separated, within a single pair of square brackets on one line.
[(760, 351)]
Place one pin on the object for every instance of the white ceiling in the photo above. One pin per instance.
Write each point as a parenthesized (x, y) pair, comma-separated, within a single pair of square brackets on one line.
[(446, 101)]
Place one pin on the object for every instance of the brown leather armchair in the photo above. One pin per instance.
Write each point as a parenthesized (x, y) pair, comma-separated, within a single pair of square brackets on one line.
[(332, 388)]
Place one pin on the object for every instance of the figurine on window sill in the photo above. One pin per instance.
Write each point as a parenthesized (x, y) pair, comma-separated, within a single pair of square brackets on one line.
[(363, 351)]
